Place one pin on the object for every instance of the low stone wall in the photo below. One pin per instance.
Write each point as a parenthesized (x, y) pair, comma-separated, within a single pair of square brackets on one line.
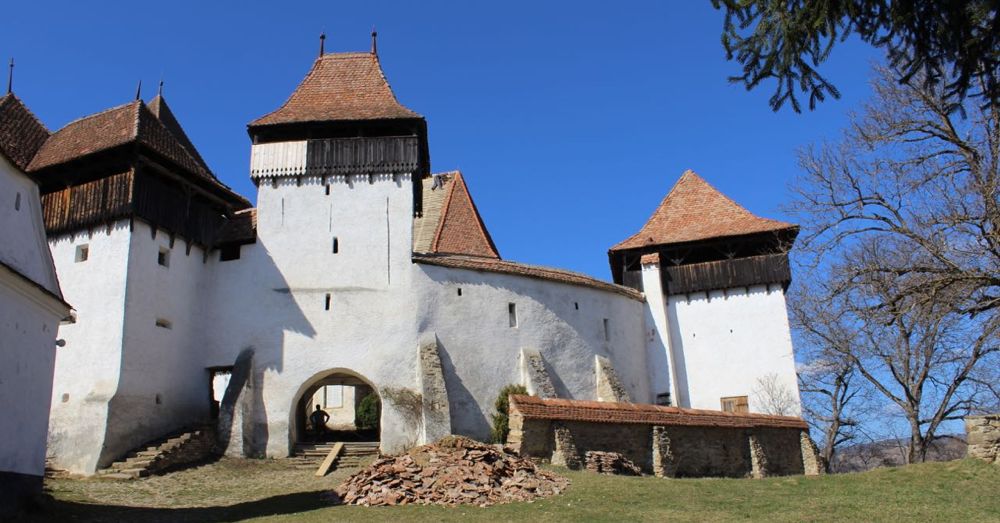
[(983, 437), (665, 441)]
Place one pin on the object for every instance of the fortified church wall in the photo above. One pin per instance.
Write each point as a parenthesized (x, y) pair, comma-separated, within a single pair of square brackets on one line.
[(358, 266)]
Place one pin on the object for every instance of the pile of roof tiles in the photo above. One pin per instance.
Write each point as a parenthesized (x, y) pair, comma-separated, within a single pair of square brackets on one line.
[(453, 471), (610, 463)]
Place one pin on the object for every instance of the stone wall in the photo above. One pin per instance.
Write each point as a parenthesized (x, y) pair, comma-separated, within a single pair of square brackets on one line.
[(724, 445), (436, 411), (983, 437)]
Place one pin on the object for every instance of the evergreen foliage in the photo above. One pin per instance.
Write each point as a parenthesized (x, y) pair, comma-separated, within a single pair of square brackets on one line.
[(366, 416), (501, 420), (953, 44)]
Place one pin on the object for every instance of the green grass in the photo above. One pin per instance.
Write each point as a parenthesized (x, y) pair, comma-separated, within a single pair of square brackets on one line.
[(233, 490)]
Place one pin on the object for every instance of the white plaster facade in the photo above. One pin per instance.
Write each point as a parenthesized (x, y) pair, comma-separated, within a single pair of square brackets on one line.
[(31, 308), (333, 284)]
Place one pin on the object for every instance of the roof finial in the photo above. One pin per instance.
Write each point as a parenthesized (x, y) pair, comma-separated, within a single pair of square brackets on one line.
[(138, 90), (10, 76), (322, 43), (374, 41), (159, 91)]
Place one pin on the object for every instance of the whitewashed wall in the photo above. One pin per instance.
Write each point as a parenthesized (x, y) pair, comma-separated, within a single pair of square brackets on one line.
[(273, 298), (164, 383), (22, 233), (723, 342), (480, 351), (88, 366), (29, 320)]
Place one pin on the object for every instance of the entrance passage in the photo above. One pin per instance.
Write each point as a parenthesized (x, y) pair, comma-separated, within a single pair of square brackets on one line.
[(338, 407)]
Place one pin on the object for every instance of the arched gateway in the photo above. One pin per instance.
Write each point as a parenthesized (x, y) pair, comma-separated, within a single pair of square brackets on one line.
[(336, 405)]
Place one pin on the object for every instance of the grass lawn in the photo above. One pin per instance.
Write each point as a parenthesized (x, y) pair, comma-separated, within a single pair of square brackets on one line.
[(268, 490)]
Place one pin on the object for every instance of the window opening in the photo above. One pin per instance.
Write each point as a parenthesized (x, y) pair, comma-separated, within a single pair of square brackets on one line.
[(326, 305), (164, 324), (735, 404), (17, 202), (336, 245), (607, 330), (82, 253), (229, 253), (459, 291), (163, 257), (512, 314)]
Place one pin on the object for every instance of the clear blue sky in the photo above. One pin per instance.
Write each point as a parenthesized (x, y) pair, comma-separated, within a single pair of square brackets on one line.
[(570, 121)]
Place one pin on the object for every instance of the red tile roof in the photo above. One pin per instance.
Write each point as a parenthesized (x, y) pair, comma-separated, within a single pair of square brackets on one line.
[(158, 106), (451, 223), (340, 86), (693, 210), (532, 407), (21, 134), (483, 264)]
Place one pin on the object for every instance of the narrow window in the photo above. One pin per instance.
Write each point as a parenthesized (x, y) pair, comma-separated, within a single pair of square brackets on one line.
[(576, 305), (82, 253), (607, 330), (512, 314), (158, 399), (459, 291), (163, 257), (336, 245), (326, 305), (164, 324), (328, 189), (735, 404), (663, 399), (17, 202)]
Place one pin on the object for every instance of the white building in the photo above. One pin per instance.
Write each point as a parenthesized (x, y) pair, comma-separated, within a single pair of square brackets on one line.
[(359, 268), (31, 308)]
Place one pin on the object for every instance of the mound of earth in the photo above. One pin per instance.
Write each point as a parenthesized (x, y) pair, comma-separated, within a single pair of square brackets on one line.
[(453, 471)]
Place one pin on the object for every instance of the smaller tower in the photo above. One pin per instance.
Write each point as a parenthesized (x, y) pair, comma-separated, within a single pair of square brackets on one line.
[(714, 276)]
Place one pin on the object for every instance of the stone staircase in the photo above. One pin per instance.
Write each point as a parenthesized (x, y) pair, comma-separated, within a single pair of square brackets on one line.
[(188, 446), (354, 455)]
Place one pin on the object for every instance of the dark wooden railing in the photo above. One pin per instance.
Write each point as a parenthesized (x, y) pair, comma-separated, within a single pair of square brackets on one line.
[(727, 274), (389, 154)]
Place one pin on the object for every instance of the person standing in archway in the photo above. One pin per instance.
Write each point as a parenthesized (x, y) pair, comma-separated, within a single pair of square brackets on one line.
[(318, 420)]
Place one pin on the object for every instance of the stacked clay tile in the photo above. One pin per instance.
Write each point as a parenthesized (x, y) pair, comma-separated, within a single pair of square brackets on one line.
[(610, 463), (453, 471)]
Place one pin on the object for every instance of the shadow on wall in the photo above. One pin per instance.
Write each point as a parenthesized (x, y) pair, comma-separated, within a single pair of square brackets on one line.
[(133, 419), (466, 416), (242, 424), (676, 345)]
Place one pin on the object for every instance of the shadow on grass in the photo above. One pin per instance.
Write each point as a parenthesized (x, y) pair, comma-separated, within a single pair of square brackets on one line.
[(59, 510)]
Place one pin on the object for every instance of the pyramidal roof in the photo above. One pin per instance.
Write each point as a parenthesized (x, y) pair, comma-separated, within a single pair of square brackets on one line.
[(339, 87), (693, 210), (158, 106), (21, 134), (450, 223), (128, 123)]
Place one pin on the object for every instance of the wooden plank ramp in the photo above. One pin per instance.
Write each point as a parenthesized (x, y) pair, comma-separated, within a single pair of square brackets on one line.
[(324, 467)]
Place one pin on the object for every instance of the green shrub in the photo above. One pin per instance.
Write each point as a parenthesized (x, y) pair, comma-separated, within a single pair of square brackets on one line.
[(366, 416), (501, 422)]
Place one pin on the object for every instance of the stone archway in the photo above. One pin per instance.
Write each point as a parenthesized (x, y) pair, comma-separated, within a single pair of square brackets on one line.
[(341, 394)]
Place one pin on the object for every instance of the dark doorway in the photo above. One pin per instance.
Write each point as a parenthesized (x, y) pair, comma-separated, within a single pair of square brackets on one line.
[(349, 410)]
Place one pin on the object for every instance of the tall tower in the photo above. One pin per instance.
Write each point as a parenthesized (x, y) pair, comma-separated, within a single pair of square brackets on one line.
[(338, 169), (715, 277)]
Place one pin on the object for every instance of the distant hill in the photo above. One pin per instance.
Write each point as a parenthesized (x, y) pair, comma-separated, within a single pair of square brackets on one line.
[(892, 453)]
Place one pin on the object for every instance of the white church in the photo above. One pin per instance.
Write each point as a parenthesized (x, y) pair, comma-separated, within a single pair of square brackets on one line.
[(357, 271)]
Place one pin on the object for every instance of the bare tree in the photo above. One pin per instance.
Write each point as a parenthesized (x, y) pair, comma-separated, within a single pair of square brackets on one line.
[(902, 220), (772, 396)]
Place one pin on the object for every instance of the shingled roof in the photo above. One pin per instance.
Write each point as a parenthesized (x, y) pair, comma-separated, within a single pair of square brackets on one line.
[(531, 407), (158, 106), (693, 210), (340, 86), (129, 123), (450, 223), (21, 134)]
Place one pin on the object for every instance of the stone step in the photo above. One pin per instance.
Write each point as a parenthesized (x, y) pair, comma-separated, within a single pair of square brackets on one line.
[(118, 476)]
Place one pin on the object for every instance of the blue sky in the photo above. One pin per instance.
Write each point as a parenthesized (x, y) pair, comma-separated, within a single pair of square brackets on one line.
[(570, 120)]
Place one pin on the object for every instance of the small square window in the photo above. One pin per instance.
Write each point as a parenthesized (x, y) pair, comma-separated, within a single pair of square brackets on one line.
[(163, 257), (82, 253), (164, 324)]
